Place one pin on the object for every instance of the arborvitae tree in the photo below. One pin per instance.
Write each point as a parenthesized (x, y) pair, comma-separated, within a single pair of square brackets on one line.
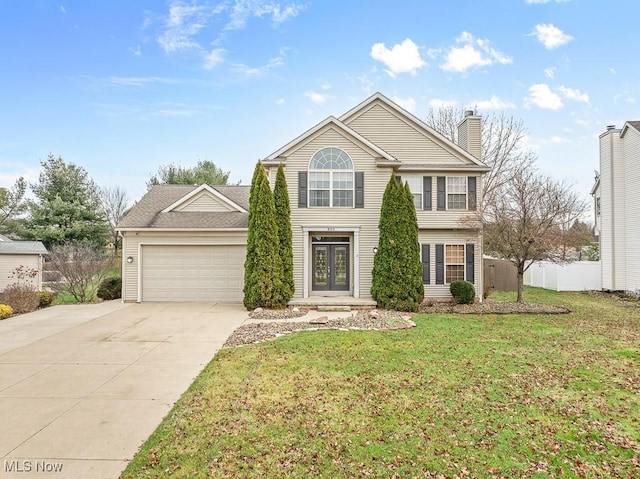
[(397, 278), (283, 221), (263, 265)]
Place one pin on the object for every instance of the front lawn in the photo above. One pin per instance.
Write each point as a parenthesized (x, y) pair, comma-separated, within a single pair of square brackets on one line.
[(457, 396)]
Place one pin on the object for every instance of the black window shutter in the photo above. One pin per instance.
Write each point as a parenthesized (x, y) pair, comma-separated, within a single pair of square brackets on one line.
[(471, 192), (442, 193), (439, 264), (470, 257), (426, 264), (359, 189), (302, 189), (426, 193), (399, 179)]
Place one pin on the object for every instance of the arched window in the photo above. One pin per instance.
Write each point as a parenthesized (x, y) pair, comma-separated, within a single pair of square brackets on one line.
[(330, 178)]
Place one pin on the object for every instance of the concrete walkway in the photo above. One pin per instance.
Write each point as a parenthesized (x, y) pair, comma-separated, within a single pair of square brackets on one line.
[(83, 386)]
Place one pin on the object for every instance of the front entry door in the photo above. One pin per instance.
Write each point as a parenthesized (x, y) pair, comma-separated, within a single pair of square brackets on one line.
[(330, 267)]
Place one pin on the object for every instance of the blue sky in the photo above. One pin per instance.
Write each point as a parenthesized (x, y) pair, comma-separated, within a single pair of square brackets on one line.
[(121, 87)]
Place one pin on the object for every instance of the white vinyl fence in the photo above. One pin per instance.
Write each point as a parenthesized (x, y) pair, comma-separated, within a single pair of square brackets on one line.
[(576, 276)]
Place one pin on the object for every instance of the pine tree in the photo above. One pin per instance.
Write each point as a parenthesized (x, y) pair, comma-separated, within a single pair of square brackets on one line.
[(263, 265), (283, 221), (397, 271)]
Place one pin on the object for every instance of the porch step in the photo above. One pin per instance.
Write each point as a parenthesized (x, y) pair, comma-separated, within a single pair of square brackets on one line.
[(330, 308)]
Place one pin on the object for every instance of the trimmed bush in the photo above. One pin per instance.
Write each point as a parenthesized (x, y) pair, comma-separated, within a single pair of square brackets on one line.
[(397, 270), (110, 288), (46, 298), (283, 221), (22, 297), (5, 311), (463, 292)]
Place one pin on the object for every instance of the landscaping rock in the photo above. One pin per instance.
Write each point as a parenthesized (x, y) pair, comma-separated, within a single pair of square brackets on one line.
[(320, 320)]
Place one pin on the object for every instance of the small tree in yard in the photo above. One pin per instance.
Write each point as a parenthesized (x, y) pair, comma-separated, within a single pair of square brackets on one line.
[(263, 285), (283, 221), (82, 266), (397, 270), (522, 220)]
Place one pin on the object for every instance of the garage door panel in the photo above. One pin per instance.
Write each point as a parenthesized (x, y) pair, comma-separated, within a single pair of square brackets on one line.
[(192, 273)]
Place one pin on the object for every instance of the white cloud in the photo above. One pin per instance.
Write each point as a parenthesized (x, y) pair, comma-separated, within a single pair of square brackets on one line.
[(630, 100), (473, 53), (557, 140), (141, 81), (494, 103), (439, 103), (612, 71), (550, 36), (542, 96), (317, 98), (279, 101), (215, 57), (244, 9), (137, 51), (550, 72), (256, 71), (326, 86), (63, 10), (400, 58), (408, 104), (182, 24), (574, 94)]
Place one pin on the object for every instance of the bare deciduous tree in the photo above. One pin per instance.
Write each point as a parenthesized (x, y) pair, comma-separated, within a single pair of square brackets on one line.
[(82, 266), (522, 220), (504, 146), (115, 203)]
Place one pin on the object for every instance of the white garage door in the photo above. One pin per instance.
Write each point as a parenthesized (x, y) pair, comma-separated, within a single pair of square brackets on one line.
[(192, 273)]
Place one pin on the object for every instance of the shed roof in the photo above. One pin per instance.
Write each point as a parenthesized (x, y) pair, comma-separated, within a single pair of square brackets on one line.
[(22, 247)]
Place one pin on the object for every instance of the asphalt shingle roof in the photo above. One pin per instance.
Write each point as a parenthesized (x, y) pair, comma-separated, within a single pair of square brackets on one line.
[(147, 213), (635, 124), (22, 247)]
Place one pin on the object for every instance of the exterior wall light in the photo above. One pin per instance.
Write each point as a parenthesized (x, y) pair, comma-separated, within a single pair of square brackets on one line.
[(129, 259), (375, 249)]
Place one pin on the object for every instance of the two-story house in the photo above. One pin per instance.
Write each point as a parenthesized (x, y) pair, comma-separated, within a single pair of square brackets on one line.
[(616, 208), (187, 243)]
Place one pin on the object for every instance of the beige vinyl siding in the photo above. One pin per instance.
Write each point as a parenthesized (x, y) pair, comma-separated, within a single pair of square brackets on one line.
[(618, 211), (375, 181), (205, 201), (451, 237), (399, 138), (9, 262), (606, 230), (133, 241), (469, 136), (631, 142)]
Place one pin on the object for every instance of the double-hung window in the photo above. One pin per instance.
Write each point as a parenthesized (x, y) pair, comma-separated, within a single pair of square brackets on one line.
[(330, 178), (454, 261), (456, 193), (415, 185)]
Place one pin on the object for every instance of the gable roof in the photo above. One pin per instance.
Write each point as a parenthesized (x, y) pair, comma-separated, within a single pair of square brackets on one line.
[(204, 188), (339, 125), (634, 124), (412, 119), (150, 211), (22, 247)]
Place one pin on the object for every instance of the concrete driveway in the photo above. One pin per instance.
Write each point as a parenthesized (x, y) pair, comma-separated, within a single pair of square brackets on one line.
[(83, 386)]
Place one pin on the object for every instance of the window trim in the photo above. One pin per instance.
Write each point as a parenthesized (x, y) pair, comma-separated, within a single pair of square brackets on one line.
[(331, 172), (464, 180), (420, 192), (463, 264)]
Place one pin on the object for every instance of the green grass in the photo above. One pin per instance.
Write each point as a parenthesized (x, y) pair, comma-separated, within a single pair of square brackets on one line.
[(458, 396)]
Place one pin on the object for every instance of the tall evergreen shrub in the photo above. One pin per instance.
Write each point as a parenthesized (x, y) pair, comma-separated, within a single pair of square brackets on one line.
[(263, 265), (283, 221), (397, 271)]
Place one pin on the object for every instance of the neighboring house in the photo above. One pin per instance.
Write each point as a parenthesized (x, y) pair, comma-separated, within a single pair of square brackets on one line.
[(187, 243), (617, 209), (14, 254)]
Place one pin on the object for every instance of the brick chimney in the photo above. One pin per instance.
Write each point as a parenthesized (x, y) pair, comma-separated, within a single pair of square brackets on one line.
[(469, 134)]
